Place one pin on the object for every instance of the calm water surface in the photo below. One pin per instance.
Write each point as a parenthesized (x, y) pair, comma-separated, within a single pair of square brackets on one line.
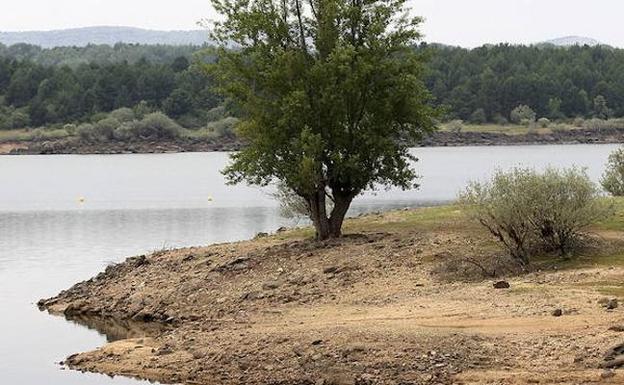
[(65, 218)]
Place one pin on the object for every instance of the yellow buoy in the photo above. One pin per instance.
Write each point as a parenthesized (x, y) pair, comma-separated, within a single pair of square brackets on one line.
[(81, 200), (210, 198)]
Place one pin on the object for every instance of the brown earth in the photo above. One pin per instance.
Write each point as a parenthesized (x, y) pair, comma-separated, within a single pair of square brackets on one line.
[(393, 302), (7, 148)]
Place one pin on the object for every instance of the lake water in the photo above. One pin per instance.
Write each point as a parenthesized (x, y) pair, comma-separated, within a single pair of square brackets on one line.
[(65, 218)]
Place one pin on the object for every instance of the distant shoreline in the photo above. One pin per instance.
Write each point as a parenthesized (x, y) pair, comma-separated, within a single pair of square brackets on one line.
[(437, 139)]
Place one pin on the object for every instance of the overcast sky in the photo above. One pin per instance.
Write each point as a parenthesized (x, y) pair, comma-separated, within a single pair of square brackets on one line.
[(458, 22)]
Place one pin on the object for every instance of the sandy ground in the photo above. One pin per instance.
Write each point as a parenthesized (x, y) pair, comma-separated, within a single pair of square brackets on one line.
[(390, 304), (6, 148)]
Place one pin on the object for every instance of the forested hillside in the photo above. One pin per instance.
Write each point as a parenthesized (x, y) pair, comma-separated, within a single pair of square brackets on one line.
[(487, 83), (43, 87), (97, 54)]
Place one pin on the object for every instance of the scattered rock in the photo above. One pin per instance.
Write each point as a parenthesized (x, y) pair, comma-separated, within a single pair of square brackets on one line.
[(557, 313), (617, 328), (330, 270), (607, 373), (282, 229), (261, 235), (612, 304), (502, 285), (271, 285)]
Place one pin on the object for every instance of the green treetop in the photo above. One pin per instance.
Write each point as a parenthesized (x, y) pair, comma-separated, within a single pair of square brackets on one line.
[(330, 94)]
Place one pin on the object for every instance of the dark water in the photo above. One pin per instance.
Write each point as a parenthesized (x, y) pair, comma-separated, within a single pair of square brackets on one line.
[(65, 218)]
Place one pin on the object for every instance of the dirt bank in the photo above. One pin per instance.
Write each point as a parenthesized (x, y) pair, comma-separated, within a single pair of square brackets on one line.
[(437, 139), (394, 302)]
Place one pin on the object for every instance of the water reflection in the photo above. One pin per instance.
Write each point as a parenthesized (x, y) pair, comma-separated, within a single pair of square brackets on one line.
[(117, 330)]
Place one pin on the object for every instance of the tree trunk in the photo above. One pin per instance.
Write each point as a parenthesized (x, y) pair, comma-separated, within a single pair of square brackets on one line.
[(328, 227), (318, 214), (341, 206)]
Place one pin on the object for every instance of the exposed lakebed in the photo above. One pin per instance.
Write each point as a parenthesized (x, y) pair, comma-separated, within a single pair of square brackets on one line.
[(63, 219)]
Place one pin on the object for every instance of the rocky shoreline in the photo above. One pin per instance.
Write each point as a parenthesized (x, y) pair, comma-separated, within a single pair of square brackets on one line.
[(393, 303), (437, 139)]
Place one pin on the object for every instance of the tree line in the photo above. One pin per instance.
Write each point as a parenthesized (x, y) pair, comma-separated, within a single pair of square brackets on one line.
[(486, 84), (40, 87), (36, 95)]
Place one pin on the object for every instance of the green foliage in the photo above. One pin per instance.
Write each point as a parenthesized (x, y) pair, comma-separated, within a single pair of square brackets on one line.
[(455, 125), (528, 211), (543, 122), (223, 127), (613, 177), (123, 114), (601, 109), (556, 82), (157, 126), (478, 117), (522, 115), (330, 98), (88, 92), (153, 126)]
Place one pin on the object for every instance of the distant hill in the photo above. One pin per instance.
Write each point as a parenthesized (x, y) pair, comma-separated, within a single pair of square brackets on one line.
[(569, 41), (81, 37)]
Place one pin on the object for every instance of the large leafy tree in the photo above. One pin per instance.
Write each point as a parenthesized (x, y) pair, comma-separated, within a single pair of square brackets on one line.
[(330, 95)]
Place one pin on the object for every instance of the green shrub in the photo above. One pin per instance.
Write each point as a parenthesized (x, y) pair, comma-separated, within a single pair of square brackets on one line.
[(543, 122), (223, 127), (216, 113), (613, 178), (522, 115), (19, 119), (105, 128), (126, 131), (123, 115), (157, 126), (478, 116), (455, 125), (86, 132), (500, 120), (528, 211)]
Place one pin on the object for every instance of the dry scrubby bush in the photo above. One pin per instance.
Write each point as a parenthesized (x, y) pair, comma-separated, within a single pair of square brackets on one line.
[(613, 178), (523, 115), (455, 125), (223, 127), (119, 126), (602, 124), (528, 211)]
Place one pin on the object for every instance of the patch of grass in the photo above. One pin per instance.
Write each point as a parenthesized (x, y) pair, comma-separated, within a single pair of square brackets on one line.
[(606, 288), (21, 135), (616, 222), (426, 218)]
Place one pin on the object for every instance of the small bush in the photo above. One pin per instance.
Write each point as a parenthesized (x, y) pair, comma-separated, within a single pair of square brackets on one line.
[(528, 211), (455, 125), (500, 120), (216, 113), (602, 124), (105, 129), (123, 115), (223, 127), (478, 116), (523, 115), (543, 122), (86, 132), (613, 178), (125, 132), (157, 126)]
